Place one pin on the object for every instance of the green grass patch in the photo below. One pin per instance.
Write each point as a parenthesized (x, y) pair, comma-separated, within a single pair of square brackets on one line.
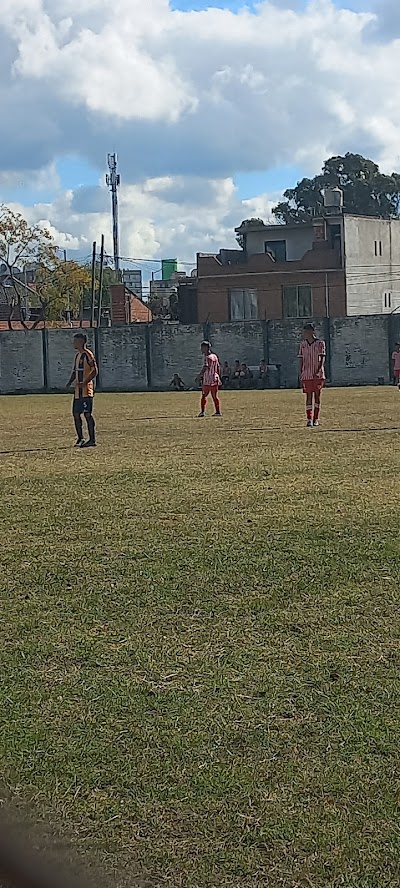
[(200, 636)]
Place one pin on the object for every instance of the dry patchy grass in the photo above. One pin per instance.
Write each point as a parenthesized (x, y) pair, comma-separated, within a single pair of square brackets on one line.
[(200, 636)]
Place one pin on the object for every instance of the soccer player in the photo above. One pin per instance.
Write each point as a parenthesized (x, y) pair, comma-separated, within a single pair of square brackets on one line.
[(396, 364), (82, 379), (312, 353), (209, 377)]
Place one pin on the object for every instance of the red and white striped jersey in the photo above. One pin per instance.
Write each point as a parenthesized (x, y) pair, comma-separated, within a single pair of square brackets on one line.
[(310, 353), (211, 370)]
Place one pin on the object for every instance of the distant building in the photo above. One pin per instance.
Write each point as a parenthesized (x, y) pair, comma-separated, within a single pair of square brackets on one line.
[(164, 294), (336, 265), (127, 308), (132, 278)]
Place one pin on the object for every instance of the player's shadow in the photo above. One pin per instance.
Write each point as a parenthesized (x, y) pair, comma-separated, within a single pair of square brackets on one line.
[(32, 450), (321, 431), (355, 431)]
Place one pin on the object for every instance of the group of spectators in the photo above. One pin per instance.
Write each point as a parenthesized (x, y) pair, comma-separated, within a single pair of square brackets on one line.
[(240, 376)]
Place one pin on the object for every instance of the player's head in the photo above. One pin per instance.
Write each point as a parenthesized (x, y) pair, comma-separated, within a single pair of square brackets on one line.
[(80, 340), (398, 346), (309, 331), (205, 347)]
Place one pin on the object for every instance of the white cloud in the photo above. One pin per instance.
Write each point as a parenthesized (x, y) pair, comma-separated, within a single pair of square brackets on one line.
[(150, 225), (189, 99)]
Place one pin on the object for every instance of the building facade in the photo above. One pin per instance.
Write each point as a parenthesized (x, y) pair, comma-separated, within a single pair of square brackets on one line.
[(262, 283), (132, 278), (334, 266), (372, 264)]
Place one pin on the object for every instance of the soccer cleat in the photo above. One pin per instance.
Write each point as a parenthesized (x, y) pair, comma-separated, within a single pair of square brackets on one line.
[(217, 414), (201, 415), (309, 424), (88, 444), (79, 442), (316, 423)]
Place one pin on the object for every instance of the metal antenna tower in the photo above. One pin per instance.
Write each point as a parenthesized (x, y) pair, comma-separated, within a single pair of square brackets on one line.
[(113, 181)]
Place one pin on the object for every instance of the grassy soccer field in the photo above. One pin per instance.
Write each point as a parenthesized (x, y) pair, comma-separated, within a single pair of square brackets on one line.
[(200, 636)]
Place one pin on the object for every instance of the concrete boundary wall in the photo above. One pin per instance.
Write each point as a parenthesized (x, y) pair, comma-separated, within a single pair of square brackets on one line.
[(140, 357)]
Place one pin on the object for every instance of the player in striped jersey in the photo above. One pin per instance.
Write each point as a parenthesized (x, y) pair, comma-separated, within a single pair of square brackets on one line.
[(312, 353), (82, 378), (210, 378)]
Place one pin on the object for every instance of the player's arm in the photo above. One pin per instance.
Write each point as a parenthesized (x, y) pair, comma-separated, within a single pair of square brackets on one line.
[(321, 359), (93, 370), (71, 378), (300, 362), (203, 370)]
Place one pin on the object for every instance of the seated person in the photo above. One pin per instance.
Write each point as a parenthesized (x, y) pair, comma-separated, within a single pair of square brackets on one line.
[(245, 376), (263, 375), (226, 374), (236, 370), (177, 383)]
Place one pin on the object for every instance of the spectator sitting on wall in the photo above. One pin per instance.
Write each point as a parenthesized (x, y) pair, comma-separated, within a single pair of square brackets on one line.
[(235, 375), (236, 370), (226, 374), (263, 374), (245, 376), (177, 383)]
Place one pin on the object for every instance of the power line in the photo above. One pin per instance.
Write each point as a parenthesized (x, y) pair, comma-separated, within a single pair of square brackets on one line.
[(150, 261)]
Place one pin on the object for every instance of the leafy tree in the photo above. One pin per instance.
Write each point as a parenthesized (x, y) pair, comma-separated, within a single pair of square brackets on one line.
[(366, 190), (55, 285), (60, 287)]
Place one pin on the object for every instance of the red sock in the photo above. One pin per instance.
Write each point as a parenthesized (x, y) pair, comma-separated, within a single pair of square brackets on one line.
[(317, 408), (203, 403), (309, 412)]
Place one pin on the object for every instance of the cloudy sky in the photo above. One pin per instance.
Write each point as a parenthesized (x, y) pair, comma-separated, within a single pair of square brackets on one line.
[(212, 109)]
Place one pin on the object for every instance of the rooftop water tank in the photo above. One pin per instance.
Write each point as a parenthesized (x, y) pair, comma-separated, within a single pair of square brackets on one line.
[(333, 201)]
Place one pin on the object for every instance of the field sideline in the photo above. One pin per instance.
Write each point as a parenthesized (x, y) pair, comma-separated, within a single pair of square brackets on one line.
[(200, 636)]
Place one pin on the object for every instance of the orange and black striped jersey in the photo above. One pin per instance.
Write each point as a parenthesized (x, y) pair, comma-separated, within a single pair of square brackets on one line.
[(85, 363)]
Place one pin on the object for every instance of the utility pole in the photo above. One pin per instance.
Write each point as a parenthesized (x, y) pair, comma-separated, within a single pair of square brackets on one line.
[(113, 181), (93, 288), (101, 281), (68, 290)]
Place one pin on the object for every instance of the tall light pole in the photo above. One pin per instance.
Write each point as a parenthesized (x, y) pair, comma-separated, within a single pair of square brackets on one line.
[(113, 181)]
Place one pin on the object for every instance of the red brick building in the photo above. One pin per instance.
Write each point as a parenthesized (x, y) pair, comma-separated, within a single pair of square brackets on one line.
[(282, 272), (126, 308)]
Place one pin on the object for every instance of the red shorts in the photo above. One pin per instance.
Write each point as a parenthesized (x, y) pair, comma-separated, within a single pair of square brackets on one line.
[(397, 374), (209, 390), (313, 386)]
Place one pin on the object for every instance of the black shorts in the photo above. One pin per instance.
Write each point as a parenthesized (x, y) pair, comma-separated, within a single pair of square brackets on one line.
[(82, 405)]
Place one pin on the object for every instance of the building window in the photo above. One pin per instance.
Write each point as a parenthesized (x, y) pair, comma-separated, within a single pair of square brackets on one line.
[(297, 302), (277, 249), (387, 301), (378, 248), (243, 305)]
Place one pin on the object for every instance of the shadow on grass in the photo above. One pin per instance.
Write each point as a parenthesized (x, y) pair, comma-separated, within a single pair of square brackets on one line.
[(35, 450), (320, 430)]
